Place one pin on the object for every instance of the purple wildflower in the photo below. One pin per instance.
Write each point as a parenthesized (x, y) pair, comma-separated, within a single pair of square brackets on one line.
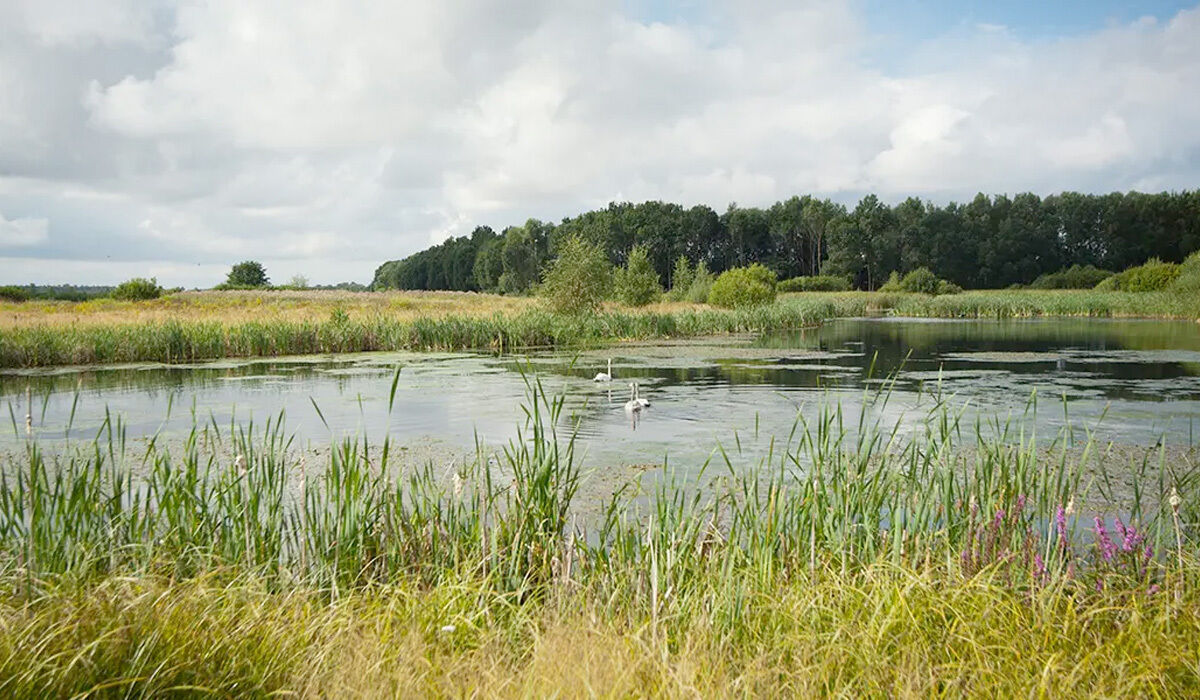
[(1133, 539), (1149, 552), (1039, 567), (999, 519), (1153, 589), (1108, 548), (1021, 503), (1060, 520)]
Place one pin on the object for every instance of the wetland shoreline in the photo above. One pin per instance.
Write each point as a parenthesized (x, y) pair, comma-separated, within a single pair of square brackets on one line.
[(194, 326)]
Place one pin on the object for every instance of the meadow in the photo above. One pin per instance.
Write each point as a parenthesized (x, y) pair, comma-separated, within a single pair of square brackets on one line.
[(848, 561), (192, 326)]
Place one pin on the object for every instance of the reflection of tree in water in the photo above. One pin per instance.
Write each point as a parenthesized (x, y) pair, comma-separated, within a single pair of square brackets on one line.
[(895, 344), (161, 380)]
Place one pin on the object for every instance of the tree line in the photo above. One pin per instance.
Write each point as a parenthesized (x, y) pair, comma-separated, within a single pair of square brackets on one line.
[(990, 242)]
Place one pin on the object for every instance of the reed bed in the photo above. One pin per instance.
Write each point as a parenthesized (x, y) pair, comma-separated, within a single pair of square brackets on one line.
[(188, 340), (853, 559), (1002, 304), (210, 325)]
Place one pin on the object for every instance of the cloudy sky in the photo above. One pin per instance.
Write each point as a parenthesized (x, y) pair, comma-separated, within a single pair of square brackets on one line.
[(150, 137)]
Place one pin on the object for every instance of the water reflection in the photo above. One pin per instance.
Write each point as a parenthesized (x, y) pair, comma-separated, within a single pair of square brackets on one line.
[(1143, 377)]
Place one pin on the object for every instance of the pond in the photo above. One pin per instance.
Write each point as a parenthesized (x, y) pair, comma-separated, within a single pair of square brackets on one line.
[(1129, 381)]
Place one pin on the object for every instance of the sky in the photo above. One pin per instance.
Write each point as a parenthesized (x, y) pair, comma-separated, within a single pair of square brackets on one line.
[(322, 137)]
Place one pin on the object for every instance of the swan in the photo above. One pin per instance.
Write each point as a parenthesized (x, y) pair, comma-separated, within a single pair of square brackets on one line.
[(604, 376), (633, 405), (635, 402), (637, 396)]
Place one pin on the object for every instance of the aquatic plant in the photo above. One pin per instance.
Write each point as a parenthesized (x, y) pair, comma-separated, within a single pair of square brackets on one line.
[(225, 564)]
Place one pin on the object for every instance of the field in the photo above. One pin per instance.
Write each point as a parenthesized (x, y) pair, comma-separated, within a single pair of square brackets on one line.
[(883, 568), (194, 326)]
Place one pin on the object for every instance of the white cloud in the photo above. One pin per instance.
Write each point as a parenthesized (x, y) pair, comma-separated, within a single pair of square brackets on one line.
[(334, 135), (68, 22), (22, 232)]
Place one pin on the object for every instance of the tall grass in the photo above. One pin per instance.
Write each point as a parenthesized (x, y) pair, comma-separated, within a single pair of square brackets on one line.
[(853, 558), (187, 341), (174, 335)]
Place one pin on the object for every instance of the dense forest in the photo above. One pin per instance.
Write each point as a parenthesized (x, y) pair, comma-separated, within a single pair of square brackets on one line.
[(990, 242)]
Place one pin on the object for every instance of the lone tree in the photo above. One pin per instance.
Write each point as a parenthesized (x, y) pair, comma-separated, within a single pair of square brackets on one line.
[(579, 279), (637, 283), (248, 273)]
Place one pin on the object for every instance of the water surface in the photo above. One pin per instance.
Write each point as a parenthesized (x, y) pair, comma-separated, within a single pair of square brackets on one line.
[(1130, 381)]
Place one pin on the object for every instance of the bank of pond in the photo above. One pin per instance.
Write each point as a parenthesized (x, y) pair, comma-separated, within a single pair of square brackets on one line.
[(66, 339)]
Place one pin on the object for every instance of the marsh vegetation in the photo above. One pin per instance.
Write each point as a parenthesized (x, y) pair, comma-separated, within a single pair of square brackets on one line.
[(844, 557)]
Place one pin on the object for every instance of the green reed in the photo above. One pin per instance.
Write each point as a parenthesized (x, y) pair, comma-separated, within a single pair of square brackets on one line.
[(187, 341), (843, 558), (841, 490)]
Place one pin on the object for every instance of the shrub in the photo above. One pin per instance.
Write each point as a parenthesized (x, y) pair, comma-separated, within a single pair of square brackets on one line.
[(1189, 275), (1155, 275), (892, 284), (637, 283), (14, 293), (920, 281), (743, 286), (701, 286), (681, 279), (579, 279), (815, 283), (1073, 277), (137, 289), (948, 287)]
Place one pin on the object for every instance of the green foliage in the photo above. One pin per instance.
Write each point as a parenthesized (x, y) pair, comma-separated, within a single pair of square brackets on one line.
[(701, 286), (519, 260), (681, 278), (1073, 277), (920, 281), (298, 282), (892, 285), (489, 265), (1189, 275), (14, 293), (637, 283), (1154, 276), (138, 289), (947, 287), (743, 286), (579, 279), (815, 283), (248, 273)]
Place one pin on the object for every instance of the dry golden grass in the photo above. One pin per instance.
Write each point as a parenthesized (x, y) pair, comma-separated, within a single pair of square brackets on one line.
[(242, 306), (881, 632)]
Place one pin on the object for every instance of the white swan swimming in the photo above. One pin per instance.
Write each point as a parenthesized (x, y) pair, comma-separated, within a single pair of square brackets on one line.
[(632, 405), (637, 396), (604, 376), (635, 402)]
